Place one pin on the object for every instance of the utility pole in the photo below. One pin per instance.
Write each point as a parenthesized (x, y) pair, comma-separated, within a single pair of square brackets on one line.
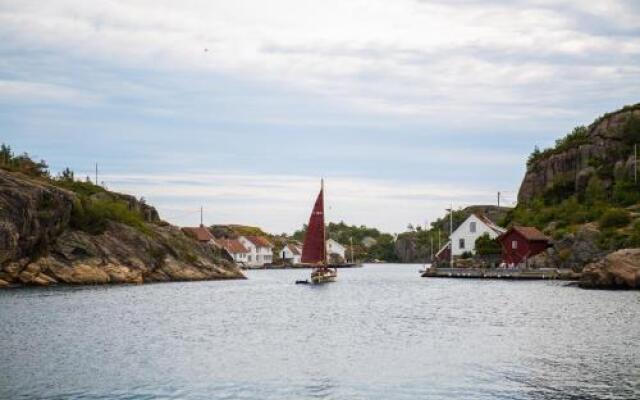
[(96, 174), (352, 258), (431, 239), (498, 199), (201, 217), (450, 209)]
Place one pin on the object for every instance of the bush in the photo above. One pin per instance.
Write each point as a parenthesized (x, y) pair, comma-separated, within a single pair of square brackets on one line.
[(466, 255), (487, 246), (626, 193), (92, 216), (614, 218)]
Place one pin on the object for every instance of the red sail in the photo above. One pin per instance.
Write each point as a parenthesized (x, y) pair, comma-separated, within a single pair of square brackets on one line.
[(314, 248)]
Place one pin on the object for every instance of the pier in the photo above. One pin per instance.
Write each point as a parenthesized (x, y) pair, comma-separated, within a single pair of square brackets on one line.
[(503, 273)]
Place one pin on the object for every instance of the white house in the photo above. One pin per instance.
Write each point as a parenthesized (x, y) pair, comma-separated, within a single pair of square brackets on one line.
[(292, 253), (260, 250), (334, 248), (464, 238), (235, 248)]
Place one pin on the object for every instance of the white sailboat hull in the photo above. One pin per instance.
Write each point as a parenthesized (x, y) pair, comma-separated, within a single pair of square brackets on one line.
[(318, 277)]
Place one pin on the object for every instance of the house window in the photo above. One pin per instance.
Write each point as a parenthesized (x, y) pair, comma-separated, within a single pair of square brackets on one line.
[(249, 258), (461, 243), (472, 227), (514, 244)]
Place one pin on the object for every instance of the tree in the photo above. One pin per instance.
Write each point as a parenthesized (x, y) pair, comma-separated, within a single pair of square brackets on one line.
[(486, 246), (533, 157), (6, 155), (66, 175), (595, 193)]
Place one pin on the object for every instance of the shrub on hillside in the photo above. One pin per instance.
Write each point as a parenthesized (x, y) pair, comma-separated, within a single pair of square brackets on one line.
[(614, 218), (92, 216)]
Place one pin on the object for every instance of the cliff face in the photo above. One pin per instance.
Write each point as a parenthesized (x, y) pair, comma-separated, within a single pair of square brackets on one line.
[(573, 167), (39, 245)]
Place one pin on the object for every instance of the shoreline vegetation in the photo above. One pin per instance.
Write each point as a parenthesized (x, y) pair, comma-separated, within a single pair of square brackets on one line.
[(583, 192)]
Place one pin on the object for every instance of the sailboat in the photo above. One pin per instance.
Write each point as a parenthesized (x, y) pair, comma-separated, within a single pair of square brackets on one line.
[(314, 249)]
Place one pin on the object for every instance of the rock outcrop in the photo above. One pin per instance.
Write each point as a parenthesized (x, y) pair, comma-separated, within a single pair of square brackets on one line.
[(574, 167), (573, 251), (39, 246), (618, 270)]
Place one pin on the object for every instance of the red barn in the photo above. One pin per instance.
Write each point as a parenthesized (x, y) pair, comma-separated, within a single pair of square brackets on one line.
[(520, 243)]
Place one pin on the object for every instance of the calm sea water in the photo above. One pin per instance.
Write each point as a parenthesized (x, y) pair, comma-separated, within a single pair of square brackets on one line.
[(381, 332)]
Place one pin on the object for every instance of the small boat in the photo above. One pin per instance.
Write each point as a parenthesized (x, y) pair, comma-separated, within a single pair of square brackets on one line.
[(314, 249)]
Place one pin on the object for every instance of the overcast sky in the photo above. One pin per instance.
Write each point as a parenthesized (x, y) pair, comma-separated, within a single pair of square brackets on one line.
[(241, 106)]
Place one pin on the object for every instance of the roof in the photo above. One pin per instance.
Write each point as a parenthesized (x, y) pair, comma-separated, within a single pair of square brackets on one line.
[(233, 246), (259, 241), (199, 233), (530, 233), (335, 243), (294, 249), (446, 246), (492, 225)]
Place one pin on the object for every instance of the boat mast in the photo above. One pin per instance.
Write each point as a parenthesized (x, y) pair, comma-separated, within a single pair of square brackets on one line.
[(324, 225)]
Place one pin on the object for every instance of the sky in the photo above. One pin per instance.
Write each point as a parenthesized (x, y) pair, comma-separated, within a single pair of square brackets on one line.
[(241, 107)]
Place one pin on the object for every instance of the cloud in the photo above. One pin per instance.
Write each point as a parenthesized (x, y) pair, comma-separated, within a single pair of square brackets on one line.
[(406, 58), (14, 91), (281, 203)]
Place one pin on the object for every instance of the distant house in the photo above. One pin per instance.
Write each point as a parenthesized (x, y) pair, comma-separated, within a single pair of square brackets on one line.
[(235, 248), (335, 250), (464, 238), (260, 250), (291, 253), (200, 233), (368, 241), (520, 243)]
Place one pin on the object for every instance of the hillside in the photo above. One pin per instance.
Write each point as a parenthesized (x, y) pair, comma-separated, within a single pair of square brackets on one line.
[(60, 230), (583, 191)]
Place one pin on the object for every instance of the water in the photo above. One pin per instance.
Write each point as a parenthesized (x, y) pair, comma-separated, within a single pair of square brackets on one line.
[(381, 332)]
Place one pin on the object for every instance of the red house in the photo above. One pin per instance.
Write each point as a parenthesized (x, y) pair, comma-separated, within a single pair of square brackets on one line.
[(520, 243)]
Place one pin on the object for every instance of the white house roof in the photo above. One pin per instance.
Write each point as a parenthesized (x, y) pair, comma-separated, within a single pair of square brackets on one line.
[(333, 243), (484, 220)]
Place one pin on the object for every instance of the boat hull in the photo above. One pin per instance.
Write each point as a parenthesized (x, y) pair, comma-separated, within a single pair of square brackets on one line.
[(318, 277)]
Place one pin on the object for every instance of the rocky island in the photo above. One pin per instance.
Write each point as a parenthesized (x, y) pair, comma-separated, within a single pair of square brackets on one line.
[(64, 231)]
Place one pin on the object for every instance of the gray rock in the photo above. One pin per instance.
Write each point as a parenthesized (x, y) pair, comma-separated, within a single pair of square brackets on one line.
[(38, 246)]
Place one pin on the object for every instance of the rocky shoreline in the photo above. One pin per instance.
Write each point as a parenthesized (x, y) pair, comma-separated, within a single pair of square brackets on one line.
[(41, 246)]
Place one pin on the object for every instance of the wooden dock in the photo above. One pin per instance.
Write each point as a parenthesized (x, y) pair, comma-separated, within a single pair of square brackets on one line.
[(503, 273)]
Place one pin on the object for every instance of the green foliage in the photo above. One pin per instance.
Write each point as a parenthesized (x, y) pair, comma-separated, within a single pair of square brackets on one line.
[(22, 163), (559, 190), (466, 255), (595, 192), (578, 136), (614, 218), (631, 130), (626, 193), (383, 249), (344, 234), (92, 215), (487, 246), (81, 188)]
